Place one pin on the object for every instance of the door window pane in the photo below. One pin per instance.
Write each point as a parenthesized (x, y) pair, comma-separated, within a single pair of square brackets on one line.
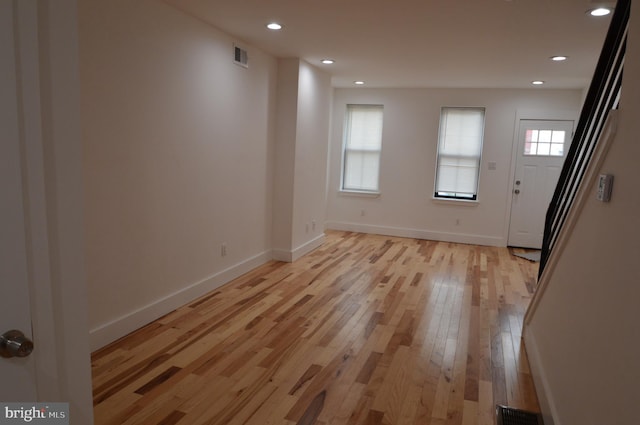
[(544, 142)]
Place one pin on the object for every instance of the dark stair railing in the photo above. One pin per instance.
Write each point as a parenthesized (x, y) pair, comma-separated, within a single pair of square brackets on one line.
[(602, 97)]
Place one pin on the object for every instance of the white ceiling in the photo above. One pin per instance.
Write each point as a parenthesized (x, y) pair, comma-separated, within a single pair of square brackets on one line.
[(422, 43)]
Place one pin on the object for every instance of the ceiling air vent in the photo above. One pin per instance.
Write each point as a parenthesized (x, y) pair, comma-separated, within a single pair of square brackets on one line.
[(240, 56)]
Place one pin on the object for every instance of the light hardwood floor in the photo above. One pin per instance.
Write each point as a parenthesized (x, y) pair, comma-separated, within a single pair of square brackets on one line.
[(364, 330)]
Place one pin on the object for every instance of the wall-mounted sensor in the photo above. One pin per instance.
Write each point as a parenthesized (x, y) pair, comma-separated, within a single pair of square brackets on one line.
[(605, 185)]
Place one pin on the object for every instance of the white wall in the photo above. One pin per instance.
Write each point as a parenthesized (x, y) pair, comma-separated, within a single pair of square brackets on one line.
[(310, 183), (304, 104), (178, 159), (583, 337), (409, 145), (286, 133)]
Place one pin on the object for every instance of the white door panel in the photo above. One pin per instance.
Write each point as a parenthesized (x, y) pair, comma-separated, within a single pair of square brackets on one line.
[(41, 206), (18, 374), (542, 147)]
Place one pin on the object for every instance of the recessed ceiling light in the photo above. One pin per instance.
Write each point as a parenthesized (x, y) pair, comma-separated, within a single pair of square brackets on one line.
[(327, 61), (559, 58), (537, 82), (358, 83), (601, 11), (274, 26)]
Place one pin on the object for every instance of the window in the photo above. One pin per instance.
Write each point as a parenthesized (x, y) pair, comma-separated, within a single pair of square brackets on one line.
[(459, 150), (544, 143), (362, 144)]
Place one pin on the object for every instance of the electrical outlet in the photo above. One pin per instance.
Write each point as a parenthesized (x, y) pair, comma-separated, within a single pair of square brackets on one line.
[(223, 249)]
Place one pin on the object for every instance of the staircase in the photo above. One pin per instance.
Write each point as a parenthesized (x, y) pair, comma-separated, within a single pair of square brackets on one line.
[(603, 96)]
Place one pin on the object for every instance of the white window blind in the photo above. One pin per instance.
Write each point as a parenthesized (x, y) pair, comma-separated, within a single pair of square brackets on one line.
[(362, 146), (459, 151)]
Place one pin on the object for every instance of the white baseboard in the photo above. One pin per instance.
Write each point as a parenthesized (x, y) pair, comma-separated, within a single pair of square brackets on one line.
[(291, 256), (547, 406), (111, 331), (417, 233)]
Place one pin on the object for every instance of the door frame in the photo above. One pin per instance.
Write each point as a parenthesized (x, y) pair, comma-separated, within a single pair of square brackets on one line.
[(528, 114), (49, 109)]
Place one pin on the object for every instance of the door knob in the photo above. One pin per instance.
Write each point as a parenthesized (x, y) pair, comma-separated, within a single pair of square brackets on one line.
[(517, 191), (517, 182), (15, 344)]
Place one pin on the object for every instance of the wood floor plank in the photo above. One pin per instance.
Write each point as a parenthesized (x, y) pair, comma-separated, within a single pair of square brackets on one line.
[(350, 401), (486, 405), (365, 329), (390, 397), (163, 412)]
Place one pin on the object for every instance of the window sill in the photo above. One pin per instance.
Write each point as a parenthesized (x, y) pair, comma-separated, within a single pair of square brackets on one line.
[(460, 202), (359, 194)]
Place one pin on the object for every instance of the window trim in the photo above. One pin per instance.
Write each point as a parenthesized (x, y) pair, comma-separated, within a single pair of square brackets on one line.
[(359, 193), (453, 197), (456, 201)]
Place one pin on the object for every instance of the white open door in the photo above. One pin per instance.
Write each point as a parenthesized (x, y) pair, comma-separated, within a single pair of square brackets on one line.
[(42, 283), (15, 309), (542, 148)]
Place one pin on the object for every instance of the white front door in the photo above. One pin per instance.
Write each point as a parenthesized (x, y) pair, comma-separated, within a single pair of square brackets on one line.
[(18, 374), (542, 147)]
